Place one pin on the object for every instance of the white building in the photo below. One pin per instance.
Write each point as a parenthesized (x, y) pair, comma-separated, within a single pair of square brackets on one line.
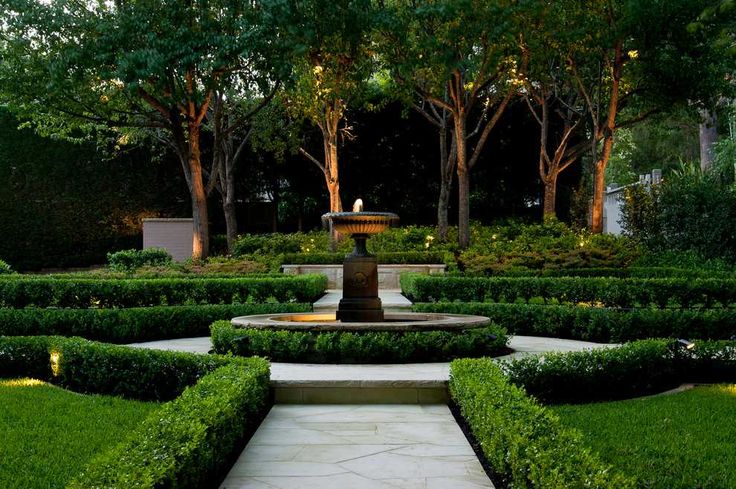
[(612, 206)]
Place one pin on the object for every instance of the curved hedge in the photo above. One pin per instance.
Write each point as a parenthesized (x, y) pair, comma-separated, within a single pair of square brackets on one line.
[(525, 443), (357, 347), (611, 292), (133, 324), (189, 442), (102, 293), (599, 324), (634, 369)]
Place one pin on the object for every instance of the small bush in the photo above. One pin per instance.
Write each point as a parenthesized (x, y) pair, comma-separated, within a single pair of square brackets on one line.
[(188, 441), (597, 324), (5, 269), (129, 260), (131, 324), (524, 442), (357, 347), (104, 293), (599, 291)]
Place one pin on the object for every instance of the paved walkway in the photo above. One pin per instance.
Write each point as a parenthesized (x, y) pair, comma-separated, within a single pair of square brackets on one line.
[(358, 447), (391, 300)]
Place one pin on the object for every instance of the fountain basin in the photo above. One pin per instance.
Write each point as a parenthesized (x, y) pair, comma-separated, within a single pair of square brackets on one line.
[(396, 322), (361, 222)]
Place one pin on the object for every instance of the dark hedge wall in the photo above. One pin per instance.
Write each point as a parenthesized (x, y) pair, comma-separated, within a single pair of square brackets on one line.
[(67, 205)]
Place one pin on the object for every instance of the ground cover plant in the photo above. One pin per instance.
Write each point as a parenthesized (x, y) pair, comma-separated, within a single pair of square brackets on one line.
[(678, 441), (50, 434)]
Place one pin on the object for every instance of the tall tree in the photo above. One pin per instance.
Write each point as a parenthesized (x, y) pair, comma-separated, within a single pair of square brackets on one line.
[(469, 51), (152, 65), (330, 52), (643, 58)]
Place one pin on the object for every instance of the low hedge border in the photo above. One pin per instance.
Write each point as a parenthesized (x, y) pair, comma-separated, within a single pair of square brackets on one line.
[(603, 325), (634, 369), (94, 293), (132, 324), (627, 272), (611, 292), (524, 443), (357, 347), (188, 442), (396, 258)]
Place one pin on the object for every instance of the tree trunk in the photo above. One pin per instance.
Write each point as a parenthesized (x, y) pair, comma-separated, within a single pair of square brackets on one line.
[(550, 195), (447, 163), (599, 187), (463, 182), (200, 237), (599, 190), (708, 137)]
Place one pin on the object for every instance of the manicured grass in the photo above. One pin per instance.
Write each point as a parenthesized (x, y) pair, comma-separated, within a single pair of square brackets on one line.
[(49, 434), (680, 441)]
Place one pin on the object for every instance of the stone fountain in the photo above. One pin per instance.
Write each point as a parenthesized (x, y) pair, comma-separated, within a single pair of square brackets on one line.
[(360, 307), (360, 302)]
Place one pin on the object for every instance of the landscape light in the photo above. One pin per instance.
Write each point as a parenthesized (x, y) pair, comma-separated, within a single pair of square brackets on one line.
[(55, 363), (686, 343)]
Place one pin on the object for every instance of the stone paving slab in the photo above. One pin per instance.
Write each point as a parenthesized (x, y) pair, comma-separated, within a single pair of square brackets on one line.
[(391, 299), (358, 447)]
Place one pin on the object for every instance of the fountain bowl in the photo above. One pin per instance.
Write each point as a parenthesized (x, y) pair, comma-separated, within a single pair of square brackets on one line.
[(361, 222)]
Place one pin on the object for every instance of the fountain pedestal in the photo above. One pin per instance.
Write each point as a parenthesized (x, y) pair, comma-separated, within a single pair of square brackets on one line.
[(360, 301)]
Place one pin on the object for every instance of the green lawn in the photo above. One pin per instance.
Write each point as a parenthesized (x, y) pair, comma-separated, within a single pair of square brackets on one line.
[(48, 434), (680, 441)]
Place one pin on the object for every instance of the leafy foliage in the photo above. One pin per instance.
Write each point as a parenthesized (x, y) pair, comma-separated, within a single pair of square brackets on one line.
[(5, 269), (130, 260), (689, 212), (357, 347)]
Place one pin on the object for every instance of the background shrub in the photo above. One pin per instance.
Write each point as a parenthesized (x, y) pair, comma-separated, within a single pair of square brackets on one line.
[(5, 269), (128, 260), (357, 347)]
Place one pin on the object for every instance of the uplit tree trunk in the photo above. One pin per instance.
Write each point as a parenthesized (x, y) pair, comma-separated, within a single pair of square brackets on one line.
[(200, 237), (550, 196), (609, 129), (463, 180)]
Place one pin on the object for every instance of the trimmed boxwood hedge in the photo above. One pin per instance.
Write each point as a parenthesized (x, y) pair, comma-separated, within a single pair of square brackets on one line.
[(357, 347), (132, 324), (188, 442), (603, 325), (611, 292), (626, 272), (95, 293), (524, 442), (634, 369), (394, 258)]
